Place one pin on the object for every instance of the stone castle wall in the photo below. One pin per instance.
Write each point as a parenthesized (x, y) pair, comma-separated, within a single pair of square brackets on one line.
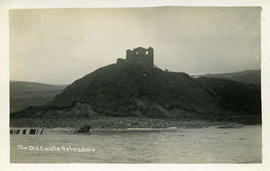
[(139, 55)]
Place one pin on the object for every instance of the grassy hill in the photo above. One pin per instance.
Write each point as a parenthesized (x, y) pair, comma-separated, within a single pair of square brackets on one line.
[(132, 90), (247, 76), (25, 94)]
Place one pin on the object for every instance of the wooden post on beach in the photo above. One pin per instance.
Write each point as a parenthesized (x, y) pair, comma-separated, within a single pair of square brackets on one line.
[(41, 131), (32, 131)]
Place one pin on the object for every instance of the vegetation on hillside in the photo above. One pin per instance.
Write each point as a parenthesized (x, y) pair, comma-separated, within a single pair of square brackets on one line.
[(141, 91)]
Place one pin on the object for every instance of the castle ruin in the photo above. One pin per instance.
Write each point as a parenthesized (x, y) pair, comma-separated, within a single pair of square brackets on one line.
[(139, 55)]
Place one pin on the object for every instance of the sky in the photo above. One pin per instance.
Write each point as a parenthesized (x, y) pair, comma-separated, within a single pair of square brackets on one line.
[(59, 46)]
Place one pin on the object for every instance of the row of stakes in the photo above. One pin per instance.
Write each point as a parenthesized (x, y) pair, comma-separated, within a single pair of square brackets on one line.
[(84, 129), (35, 131), (31, 131)]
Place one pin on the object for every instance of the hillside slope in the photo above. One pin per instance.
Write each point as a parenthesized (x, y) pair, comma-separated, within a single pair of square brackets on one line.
[(24, 86), (247, 76), (25, 94), (141, 91)]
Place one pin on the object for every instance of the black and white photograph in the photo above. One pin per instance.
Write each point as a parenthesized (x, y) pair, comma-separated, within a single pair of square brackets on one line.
[(135, 85)]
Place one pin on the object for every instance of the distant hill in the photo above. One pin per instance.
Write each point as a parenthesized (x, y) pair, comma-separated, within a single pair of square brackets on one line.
[(248, 76), (23, 86), (143, 91), (25, 94)]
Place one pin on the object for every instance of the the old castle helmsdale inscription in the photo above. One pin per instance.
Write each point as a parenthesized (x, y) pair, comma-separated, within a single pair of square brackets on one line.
[(133, 89)]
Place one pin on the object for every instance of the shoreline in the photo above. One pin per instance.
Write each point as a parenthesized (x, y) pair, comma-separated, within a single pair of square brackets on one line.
[(121, 122)]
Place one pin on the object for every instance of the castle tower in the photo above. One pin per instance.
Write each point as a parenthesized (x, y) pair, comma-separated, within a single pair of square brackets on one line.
[(139, 55)]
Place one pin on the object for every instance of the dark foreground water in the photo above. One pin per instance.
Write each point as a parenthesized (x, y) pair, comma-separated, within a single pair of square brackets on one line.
[(198, 145)]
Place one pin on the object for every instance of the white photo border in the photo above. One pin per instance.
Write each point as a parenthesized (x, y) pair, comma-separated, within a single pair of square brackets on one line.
[(6, 5)]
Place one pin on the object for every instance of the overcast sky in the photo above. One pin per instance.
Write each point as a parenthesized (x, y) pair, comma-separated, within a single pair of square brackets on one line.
[(58, 46)]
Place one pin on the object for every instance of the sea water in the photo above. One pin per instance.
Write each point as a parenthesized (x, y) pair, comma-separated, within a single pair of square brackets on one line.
[(196, 145)]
